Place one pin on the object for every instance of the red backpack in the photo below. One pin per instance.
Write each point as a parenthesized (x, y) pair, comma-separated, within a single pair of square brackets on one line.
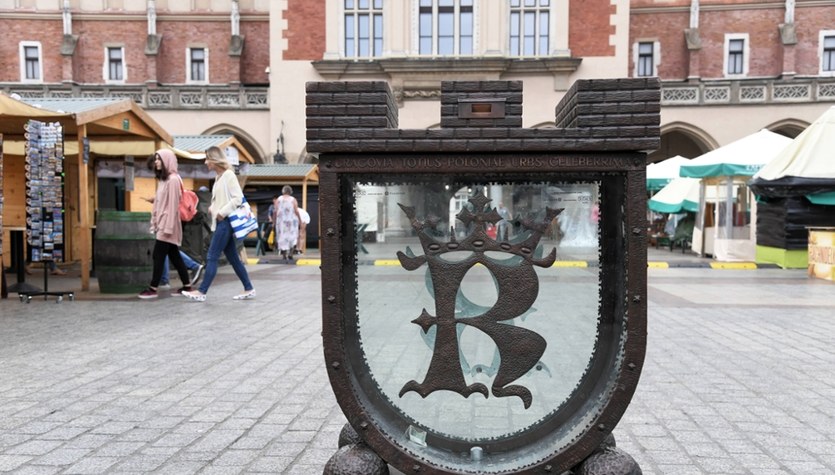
[(188, 204)]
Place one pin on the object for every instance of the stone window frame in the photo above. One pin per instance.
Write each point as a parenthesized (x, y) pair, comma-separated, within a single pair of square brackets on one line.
[(655, 57), (189, 78), (434, 6), (122, 64), (746, 54), (22, 46), (353, 10), (822, 52)]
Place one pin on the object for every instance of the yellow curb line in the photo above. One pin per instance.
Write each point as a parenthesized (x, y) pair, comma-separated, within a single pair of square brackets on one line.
[(387, 262), (733, 265), (308, 262), (658, 265), (570, 264)]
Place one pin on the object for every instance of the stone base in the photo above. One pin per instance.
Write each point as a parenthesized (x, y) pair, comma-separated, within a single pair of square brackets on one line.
[(355, 458)]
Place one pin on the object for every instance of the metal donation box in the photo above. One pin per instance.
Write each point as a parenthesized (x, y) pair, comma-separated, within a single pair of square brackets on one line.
[(483, 284)]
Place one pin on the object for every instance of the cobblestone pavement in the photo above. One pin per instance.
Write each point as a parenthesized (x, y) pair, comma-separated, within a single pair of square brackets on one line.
[(739, 378)]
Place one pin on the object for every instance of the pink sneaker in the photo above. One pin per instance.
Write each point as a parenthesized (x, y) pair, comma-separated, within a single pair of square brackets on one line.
[(148, 293)]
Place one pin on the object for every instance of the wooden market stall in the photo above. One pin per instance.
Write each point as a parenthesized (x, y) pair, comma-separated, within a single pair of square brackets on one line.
[(104, 126)]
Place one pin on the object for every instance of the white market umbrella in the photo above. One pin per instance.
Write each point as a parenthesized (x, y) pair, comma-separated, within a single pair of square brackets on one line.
[(661, 173), (681, 194), (743, 157), (806, 164)]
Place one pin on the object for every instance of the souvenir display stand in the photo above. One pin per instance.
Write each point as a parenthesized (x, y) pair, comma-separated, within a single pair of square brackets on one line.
[(44, 201), (3, 290)]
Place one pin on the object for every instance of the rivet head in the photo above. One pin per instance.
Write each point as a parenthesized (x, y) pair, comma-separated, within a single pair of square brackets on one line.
[(331, 299), (330, 232), (632, 366), (636, 231), (549, 468), (416, 468), (601, 427), (636, 298), (363, 425), (335, 365)]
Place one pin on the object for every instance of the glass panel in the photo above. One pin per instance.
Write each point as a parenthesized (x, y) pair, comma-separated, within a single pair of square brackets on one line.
[(543, 34), (735, 46), (363, 37), (349, 4), (446, 3), (529, 29), (426, 3), (378, 4), (30, 52), (544, 3), (514, 24), (378, 35), (514, 3), (467, 3), (466, 45), (363, 4), (530, 3), (349, 36), (446, 31), (466, 24), (557, 319), (829, 42), (425, 33)]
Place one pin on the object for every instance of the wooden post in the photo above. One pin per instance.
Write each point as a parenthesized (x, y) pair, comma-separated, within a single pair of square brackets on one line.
[(85, 244)]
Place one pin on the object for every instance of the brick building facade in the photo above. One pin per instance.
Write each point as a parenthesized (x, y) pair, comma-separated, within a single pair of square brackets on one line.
[(254, 85)]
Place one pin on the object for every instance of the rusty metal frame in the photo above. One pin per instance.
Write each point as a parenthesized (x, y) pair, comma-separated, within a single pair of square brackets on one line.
[(623, 284)]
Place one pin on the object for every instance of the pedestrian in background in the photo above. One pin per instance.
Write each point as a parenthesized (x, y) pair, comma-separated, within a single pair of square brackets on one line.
[(287, 223), (165, 222), (226, 197)]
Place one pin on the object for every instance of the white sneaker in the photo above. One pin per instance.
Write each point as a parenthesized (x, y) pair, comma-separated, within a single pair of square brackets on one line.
[(248, 295)]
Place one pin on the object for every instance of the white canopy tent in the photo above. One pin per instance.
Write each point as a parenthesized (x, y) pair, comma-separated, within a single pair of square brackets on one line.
[(806, 166), (727, 231), (796, 191), (660, 174)]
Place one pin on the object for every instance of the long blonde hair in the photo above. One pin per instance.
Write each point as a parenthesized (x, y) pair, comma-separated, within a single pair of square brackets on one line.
[(216, 157)]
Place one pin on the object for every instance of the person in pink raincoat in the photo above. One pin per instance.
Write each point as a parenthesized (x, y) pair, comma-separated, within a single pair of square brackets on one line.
[(165, 223)]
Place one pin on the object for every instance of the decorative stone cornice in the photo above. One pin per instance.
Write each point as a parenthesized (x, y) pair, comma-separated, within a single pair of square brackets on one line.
[(420, 78), (451, 68)]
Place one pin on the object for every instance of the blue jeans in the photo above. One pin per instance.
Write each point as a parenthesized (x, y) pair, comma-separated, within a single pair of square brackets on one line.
[(224, 241), (191, 264)]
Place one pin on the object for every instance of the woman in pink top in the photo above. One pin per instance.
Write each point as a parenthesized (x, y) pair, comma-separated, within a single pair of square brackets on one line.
[(165, 223)]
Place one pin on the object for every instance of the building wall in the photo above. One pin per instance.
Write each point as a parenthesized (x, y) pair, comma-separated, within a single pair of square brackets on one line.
[(770, 61), (305, 33), (180, 23), (603, 43)]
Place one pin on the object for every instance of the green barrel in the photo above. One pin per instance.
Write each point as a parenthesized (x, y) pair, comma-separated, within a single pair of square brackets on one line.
[(123, 249)]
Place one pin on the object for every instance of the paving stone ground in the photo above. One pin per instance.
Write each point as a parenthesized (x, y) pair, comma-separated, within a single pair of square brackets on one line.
[(739, 379)]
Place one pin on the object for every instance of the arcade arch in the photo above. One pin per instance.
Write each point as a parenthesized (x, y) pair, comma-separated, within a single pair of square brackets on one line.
[(791, 128), (683, 139), (246, 140)]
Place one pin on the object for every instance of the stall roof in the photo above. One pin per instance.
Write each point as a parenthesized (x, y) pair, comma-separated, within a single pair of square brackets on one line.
[(194, 146), (274, 174), (104, 116)]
